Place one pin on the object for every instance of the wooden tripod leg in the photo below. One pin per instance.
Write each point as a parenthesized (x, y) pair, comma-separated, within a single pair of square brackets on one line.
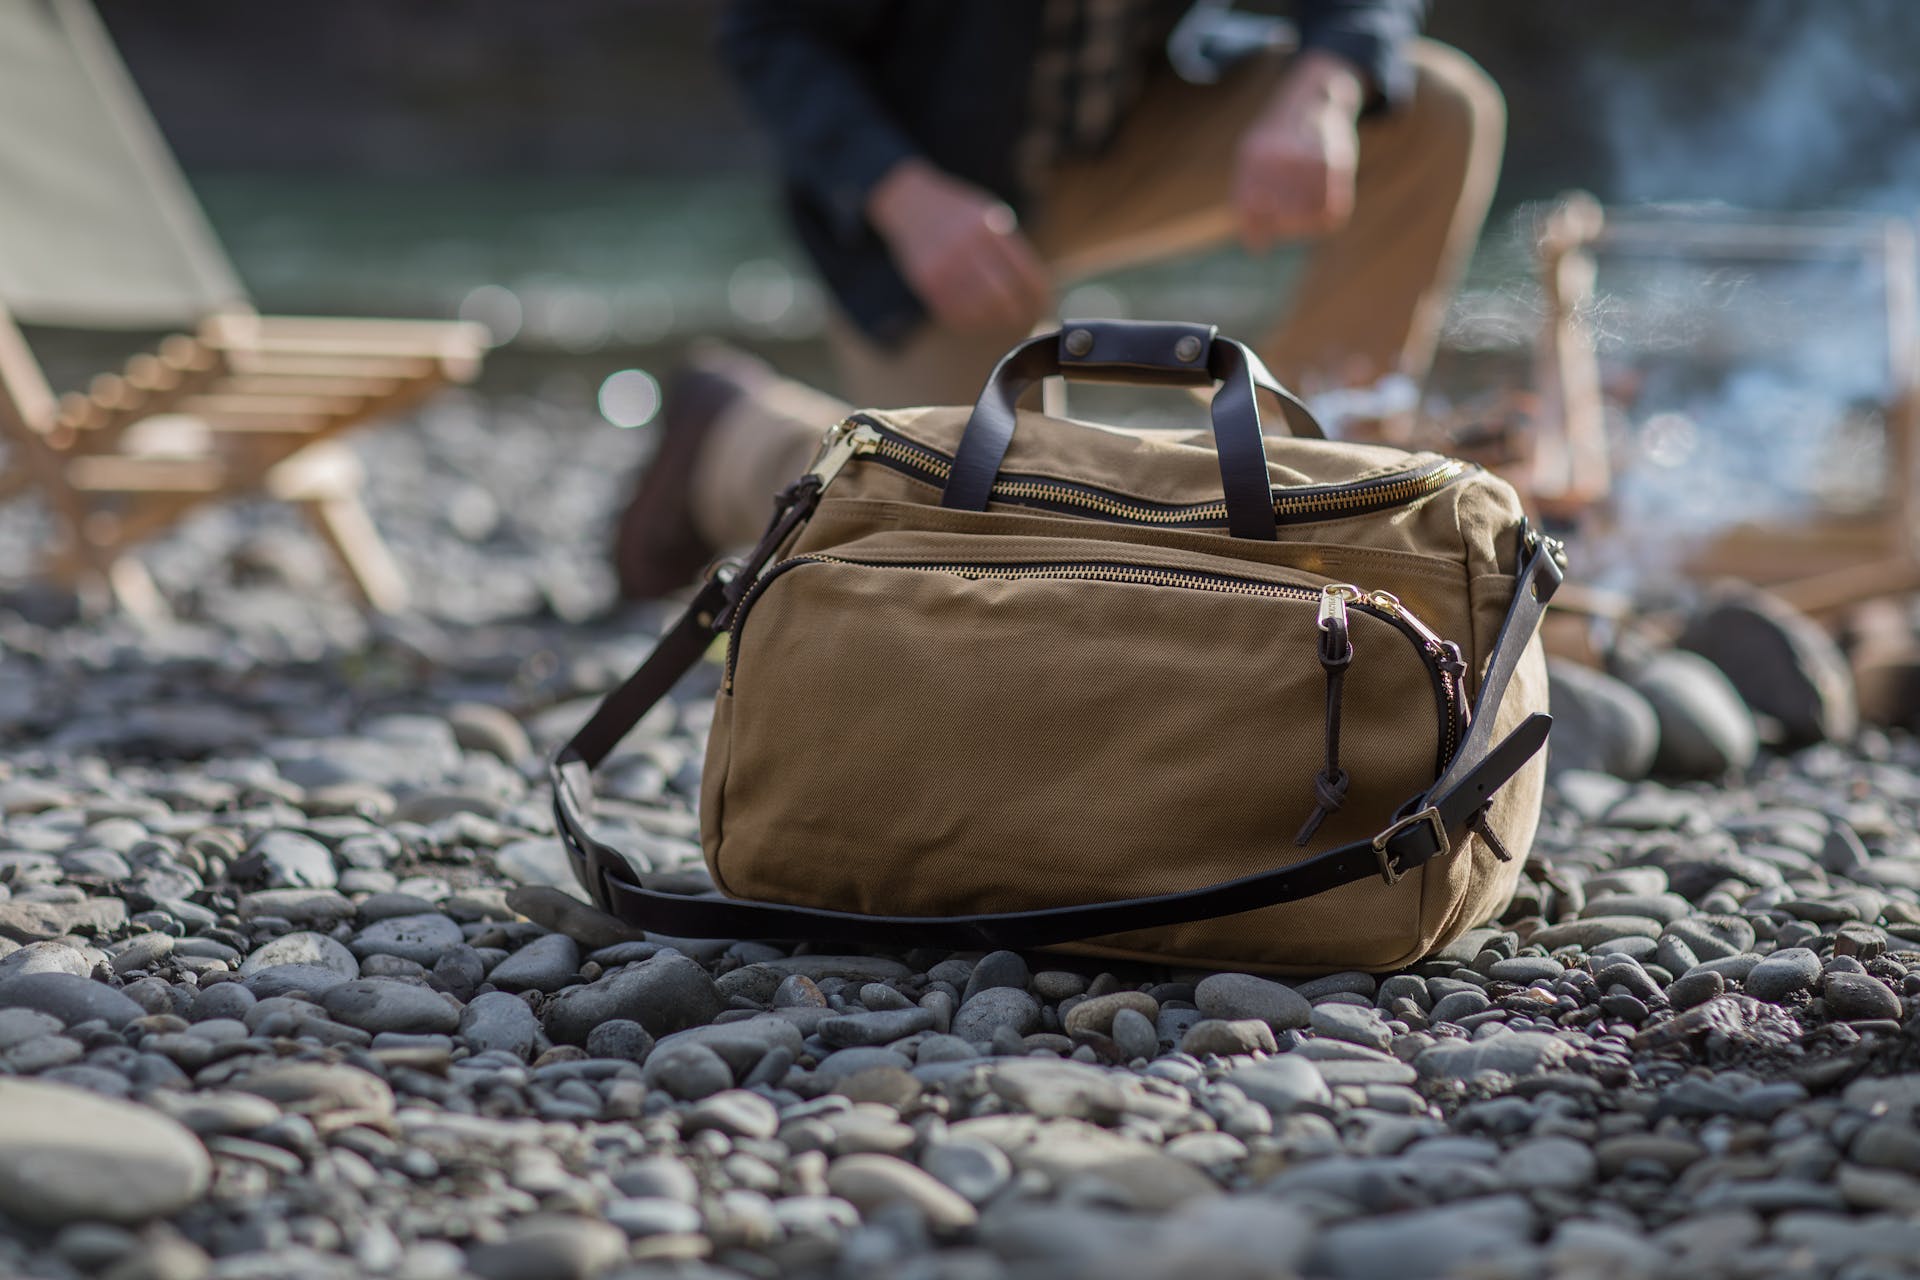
[(342, 521), (16, 480), (1571, 469)]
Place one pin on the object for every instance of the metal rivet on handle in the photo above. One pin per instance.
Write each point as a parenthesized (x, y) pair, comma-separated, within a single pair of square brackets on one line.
[(1079, 342), (1187, 350)]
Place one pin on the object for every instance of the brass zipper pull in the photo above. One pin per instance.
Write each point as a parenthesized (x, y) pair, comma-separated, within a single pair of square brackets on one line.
[(1388, 603), (843, 442), (1446, 656), (1445, 652), (1334, 599)]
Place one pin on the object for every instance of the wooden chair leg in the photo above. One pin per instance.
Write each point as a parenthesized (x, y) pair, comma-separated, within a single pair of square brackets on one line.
[(342, 521), (324, 481), (135, 591)]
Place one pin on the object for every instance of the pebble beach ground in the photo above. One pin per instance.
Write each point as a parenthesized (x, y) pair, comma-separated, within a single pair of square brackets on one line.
[(292, 985)]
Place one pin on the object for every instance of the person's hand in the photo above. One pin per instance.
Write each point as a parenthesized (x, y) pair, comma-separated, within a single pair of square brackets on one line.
[(961, 250), (1293, 174)]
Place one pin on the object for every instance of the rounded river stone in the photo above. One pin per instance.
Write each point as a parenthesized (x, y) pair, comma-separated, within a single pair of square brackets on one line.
[(68, 1155)]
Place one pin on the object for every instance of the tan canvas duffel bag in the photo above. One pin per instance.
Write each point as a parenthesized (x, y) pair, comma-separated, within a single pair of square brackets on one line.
[(995, 679)]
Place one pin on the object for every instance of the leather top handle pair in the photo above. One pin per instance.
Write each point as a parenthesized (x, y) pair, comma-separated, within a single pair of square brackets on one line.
[(1146, 353)]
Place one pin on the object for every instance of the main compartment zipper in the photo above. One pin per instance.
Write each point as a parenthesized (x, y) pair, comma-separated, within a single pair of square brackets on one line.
[(1441, 657), (1302, 504)]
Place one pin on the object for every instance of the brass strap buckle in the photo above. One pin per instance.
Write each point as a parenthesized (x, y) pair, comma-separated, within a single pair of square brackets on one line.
[(1430, 815)]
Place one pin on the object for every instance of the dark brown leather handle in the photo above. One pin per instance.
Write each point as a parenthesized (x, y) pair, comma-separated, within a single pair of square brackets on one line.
[(1144, 352)]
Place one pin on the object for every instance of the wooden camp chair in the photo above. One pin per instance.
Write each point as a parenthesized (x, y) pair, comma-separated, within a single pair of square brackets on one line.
[(98, 230)]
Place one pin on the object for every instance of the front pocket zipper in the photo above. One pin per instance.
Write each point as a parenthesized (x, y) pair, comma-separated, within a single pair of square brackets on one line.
[(1441, 657), (1297, 505)]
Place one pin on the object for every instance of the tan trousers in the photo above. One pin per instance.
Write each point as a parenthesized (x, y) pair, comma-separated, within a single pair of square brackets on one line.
[(1369, 303)]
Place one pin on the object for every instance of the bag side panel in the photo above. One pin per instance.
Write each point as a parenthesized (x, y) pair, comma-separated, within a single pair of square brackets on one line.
[(1483, 884)]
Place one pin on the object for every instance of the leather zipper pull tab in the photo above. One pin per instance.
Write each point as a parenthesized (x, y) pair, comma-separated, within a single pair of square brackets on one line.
[(1479, 825), (1336, 654)]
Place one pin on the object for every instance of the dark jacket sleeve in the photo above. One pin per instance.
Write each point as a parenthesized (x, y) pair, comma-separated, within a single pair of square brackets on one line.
[(799, 64), (1371, 34)]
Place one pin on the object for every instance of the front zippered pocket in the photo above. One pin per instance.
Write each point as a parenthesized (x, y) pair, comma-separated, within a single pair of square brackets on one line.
[(937, 723), (1441, 658), (1301, 504)]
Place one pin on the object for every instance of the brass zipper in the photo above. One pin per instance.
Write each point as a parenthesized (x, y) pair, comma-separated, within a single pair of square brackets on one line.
[(1297, 505), (1094, 571), (1445, 660), (1441, 657)]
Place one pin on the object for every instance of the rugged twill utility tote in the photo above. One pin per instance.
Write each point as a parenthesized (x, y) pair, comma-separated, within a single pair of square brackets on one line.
[(995, 679)]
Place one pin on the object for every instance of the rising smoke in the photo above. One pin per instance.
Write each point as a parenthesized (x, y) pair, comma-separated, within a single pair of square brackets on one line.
[(1799, 104), (1759, 385)]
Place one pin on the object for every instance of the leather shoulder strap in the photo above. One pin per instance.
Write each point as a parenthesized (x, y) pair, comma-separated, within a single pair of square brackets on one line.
[(1423, 829)]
